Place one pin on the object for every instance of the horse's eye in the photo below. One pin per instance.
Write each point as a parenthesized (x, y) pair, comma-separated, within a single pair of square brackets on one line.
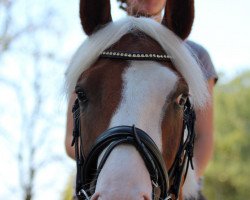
[(181, 99), (81, 95)]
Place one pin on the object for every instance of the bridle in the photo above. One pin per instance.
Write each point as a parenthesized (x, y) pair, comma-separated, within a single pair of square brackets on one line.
[(88, 169)]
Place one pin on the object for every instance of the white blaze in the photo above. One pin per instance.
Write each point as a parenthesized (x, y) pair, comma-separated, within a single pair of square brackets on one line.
[(146, 86)]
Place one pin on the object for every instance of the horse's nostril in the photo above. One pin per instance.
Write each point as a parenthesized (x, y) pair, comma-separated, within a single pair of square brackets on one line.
[(146, 197), (95, 197)]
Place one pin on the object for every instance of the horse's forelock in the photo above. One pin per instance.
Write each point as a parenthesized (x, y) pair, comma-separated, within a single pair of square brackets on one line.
[(185, 63)]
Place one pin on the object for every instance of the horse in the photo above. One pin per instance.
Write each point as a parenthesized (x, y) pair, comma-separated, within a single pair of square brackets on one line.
[(137, 86)]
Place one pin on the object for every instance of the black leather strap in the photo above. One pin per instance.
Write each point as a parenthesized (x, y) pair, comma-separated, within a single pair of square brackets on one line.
[(184, 156), (78, 152), (126, 135)]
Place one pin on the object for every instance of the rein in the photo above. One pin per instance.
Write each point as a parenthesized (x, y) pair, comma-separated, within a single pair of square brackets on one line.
[(88, 169)]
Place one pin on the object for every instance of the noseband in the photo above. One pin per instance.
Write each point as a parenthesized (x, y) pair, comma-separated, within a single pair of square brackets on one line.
[(88, 169)]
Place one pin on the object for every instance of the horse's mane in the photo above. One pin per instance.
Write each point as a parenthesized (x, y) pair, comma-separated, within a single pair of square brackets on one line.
[(182, 58)]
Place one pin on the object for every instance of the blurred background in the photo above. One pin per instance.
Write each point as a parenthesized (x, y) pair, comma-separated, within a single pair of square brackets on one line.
[(37, 40)]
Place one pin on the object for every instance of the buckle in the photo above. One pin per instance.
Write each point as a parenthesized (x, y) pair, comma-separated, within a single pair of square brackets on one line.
[(82, 195)]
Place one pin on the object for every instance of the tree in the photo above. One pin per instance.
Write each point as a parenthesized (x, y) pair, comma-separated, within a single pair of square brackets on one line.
[(228, 175), (31, 72)]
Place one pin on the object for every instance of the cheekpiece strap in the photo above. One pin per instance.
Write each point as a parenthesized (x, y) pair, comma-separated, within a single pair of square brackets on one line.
[(184, 156), (80, 193)]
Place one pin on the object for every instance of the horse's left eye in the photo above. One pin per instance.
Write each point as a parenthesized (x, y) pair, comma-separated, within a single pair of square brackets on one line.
[(181, 99)]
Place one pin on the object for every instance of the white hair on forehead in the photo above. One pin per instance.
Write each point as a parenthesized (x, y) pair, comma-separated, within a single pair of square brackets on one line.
[(182, 58)]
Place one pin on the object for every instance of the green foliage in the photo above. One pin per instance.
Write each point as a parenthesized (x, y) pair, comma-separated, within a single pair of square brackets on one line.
[(228, 175), (68, 192)]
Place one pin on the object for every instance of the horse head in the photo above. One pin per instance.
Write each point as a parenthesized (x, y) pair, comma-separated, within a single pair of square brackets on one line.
[(136, 84)]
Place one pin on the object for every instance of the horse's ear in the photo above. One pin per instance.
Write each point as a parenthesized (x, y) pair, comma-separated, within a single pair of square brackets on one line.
[(94, 14), (179, 17)]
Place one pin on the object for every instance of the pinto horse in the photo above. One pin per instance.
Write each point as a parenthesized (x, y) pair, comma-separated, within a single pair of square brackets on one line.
[(137, 85)]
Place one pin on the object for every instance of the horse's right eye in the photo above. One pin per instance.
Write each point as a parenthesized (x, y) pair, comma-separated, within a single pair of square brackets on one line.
[(181, 100), (82, 97)]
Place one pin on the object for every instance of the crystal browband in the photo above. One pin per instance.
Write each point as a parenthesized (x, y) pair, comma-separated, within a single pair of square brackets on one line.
[(135, 56)]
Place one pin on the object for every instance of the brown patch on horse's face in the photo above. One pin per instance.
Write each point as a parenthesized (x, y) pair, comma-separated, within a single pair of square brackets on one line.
[(172, 125), (102, 84)]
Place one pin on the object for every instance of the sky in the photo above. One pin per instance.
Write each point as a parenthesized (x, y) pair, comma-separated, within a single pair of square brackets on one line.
[(221, 26)]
